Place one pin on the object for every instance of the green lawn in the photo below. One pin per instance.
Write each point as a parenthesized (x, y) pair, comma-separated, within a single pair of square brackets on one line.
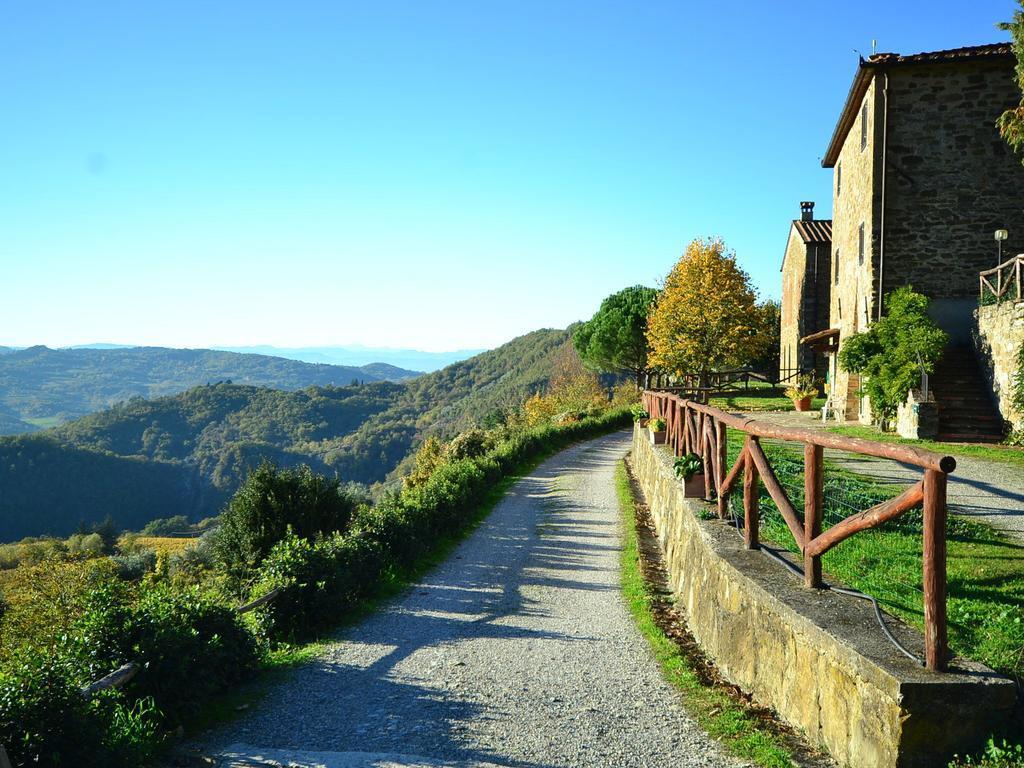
[(754, 402), (1006, 454)]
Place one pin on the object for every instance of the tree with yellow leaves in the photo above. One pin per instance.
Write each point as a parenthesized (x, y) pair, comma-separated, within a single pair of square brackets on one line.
[(706, 317)]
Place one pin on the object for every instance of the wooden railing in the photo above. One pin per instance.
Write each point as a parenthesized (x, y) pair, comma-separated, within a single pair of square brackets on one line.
[(693, 427), (1003, 283)]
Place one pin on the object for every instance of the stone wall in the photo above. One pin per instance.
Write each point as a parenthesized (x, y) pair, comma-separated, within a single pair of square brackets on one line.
[(805, 305), (951, 180), (815, 657), (854, 192), (794, 268), (998, 338)]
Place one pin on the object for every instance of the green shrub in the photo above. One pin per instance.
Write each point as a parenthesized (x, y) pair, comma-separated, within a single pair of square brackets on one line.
[(996, 755), (44, 720), (892, 352), (43, 601), (166, 526), (271, 501), (133, 566), (689, 465), (467, 445), (321, 581), (191, 645), (639, 412)]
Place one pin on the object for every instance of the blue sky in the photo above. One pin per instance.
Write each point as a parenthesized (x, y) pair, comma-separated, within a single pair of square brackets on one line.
[(436, 175)]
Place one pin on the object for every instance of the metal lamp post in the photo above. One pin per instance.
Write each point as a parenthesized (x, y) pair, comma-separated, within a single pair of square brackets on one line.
[(1000, 235)]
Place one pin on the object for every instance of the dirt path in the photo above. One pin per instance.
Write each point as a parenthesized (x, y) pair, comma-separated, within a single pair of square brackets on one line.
[(518, 651)]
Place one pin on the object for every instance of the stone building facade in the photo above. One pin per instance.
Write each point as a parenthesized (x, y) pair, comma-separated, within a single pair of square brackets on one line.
[(921, 180), (806, 271)]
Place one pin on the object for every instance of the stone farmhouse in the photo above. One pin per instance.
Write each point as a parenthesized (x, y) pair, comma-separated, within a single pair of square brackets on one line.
[(921, 180), (806, 270)]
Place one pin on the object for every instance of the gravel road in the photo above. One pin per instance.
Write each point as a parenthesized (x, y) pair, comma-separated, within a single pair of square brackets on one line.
[(518, 651)]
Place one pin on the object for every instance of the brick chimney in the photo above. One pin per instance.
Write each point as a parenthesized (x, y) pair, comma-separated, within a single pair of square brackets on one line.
[(806, 211)]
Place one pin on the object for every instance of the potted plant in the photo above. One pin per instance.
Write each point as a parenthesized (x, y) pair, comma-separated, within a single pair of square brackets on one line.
[(690, 469), (657, 427), (640, 415), (802, 391)]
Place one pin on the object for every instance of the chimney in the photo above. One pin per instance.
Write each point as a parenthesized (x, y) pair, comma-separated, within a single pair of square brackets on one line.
[(806, 211)]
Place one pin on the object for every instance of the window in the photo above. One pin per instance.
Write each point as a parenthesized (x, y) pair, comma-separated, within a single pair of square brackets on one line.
[(863, 127), (840, 303), (839, 178), (835, 279), (860, 244)]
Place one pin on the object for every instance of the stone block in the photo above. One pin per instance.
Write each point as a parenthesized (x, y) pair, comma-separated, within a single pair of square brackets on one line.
[(918, 417)]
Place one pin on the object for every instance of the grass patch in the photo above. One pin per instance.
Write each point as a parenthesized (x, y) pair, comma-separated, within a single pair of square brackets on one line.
[(43, 422), (166, 545), (1006, 454), (751, 402), (721, 715)]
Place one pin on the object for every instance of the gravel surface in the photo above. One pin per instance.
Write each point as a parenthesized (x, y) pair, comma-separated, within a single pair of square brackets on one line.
[(518, 651), (988, 490)]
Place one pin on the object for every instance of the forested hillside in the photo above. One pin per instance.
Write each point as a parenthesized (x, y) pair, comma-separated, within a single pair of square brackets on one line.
[(41, 386), (186, 453), (474, 391)]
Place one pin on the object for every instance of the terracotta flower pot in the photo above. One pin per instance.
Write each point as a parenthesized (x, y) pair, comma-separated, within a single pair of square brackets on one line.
[(803, 404)]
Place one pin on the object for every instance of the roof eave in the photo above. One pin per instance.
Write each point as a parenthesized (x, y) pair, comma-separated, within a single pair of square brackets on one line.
[(861, 81)]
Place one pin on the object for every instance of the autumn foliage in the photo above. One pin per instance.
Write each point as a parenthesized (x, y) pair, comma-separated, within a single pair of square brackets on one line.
[(706, 317)]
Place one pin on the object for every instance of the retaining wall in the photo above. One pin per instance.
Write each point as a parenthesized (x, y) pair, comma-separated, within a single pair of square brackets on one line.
[(998, 338), (817, 658)]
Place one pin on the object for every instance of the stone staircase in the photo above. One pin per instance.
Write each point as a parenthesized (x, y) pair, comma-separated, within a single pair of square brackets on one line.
[(967, 413)]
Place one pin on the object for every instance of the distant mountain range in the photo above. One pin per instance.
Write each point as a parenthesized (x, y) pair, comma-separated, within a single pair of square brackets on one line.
[(41, 387), (187, 452), (358, 355)]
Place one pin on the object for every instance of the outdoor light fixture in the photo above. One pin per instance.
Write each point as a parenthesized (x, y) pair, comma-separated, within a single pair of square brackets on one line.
[(1000, 235)]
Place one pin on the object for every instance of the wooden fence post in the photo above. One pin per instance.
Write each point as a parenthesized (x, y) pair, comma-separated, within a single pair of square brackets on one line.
[(723, 458), (750, 494), (705, 444), (813, 493), (934, 566)]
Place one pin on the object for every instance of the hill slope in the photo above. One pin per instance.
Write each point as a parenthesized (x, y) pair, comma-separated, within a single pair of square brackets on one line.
[(186, 453), (52, 385), (180, 454)]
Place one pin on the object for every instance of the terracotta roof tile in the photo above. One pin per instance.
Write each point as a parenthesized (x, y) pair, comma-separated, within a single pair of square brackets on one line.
[(814, 231), (952, 54)]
